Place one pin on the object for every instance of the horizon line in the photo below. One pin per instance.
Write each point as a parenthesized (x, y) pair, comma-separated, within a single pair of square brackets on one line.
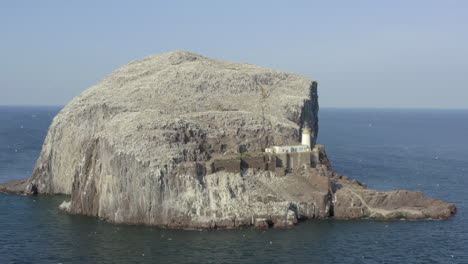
[(320, 107)]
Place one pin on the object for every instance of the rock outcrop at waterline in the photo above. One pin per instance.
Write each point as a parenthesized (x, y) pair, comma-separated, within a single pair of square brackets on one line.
[(139, 146)]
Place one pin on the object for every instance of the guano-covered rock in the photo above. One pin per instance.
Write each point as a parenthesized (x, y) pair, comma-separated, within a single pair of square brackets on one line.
[(177, 140)]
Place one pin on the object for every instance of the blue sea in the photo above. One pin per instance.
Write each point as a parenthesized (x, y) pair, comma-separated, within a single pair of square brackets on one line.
[(425, 150)]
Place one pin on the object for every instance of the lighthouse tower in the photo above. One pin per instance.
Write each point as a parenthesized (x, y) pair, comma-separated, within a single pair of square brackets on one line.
[(306, 137)]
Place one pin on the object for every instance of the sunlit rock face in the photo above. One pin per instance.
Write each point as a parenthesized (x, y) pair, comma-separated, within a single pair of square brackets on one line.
[(137, 148)]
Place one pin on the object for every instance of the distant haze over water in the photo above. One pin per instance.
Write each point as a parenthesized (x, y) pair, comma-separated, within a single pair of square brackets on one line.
[(399, 54)]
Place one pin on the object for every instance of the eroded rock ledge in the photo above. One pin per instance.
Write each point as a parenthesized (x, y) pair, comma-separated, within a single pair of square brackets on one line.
[(151, 144)]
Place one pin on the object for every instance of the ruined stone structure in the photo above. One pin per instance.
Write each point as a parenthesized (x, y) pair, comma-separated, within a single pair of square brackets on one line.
[(279, 163)]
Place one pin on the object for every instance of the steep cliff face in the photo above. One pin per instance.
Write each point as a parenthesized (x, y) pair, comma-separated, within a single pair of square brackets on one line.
[(176, 107), (135, 148)]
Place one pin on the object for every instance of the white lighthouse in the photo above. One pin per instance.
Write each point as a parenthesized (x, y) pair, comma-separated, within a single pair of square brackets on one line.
[(306, 137), (304, 147)]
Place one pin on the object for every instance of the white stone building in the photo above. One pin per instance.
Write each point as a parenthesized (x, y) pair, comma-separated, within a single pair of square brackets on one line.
[(304, 147)]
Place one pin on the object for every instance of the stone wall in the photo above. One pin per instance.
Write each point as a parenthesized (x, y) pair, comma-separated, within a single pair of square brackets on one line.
[(261, 162), (299, 160), (280, 163), (296, 160), (232, 165), (267, 163)]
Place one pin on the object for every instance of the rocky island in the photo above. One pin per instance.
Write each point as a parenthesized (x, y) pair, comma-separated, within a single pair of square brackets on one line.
[(180, 140)]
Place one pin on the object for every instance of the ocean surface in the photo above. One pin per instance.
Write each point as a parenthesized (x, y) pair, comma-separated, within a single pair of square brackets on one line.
[(425, 150)]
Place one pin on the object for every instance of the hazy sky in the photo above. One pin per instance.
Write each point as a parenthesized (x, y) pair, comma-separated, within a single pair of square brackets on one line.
[(363, 53)]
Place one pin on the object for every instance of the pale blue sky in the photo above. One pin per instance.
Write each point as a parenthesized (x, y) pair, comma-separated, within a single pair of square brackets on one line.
[(410, 54)]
